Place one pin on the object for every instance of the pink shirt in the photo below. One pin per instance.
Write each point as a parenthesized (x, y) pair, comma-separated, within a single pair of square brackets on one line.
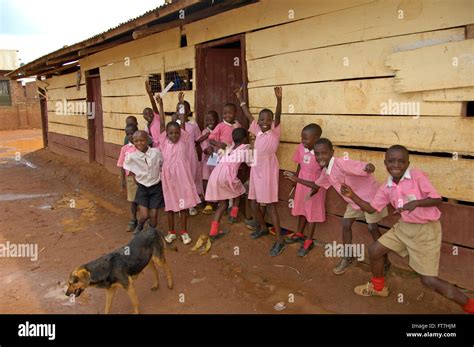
[(223, 132), (154, 129), (414, 185), (350, 172), (193, 129), (124, 151)]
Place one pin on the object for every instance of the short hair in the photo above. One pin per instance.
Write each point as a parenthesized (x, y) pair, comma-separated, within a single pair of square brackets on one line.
[(131, 118), (140, 132), (229, 104), (324, 141), (239, 134), (173, 124), (266, 110), (399, 148), (132, 127), (313, 128), (214, 114), (147, 109)]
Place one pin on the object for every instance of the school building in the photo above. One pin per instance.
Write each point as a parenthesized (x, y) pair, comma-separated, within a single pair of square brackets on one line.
[(371, 73)]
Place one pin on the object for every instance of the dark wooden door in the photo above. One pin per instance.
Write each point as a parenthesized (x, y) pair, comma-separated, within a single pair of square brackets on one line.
[(96, 129), (223, 74), (44, 116)]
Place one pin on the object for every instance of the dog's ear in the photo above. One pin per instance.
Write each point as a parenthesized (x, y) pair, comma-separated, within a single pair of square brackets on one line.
[(84, 276)]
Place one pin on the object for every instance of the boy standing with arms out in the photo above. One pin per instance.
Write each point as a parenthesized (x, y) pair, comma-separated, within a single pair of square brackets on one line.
[(417, 234)]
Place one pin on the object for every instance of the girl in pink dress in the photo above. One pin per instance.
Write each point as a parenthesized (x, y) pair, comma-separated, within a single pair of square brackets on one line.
[(223, 182), (212, 119), (309, 209), (263, 189), (179, 190)]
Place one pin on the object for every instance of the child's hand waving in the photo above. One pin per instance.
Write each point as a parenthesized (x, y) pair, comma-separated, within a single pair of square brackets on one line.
[(181, 97), (147, 87), (238, 94), (369, 168), (278, 93), (346, 190)]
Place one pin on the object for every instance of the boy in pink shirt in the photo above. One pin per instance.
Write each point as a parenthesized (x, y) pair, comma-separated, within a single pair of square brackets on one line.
[(417, 234), (337, 171), (264, 174), (127, 179)]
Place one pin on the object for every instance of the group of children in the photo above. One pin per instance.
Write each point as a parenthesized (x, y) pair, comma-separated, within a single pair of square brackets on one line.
[(170, 166)]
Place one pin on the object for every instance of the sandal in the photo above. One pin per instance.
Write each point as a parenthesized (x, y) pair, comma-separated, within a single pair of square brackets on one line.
[(132, 225), (368, 290)]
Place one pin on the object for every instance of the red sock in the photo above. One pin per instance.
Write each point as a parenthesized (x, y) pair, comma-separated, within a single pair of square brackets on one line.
[(469, 307), (379, 283), (307, 243), (234, 211), (172, 232), (214, 228), (183, 232)]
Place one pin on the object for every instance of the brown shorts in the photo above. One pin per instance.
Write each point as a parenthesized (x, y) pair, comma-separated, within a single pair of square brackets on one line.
[(361, 215), (131, 188), (421, 242)]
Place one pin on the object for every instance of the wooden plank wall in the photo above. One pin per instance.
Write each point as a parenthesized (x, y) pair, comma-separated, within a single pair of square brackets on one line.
[(345, 69)]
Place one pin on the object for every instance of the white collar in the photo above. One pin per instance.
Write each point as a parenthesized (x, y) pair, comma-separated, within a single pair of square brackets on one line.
[(308, 151), (230, 124), (130, 144), (147, 154), (405, 175), (330, 165)]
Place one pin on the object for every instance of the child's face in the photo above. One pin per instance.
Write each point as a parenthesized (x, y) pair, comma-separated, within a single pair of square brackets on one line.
[(211, 121), (396, 162), (265, 120), (148, 115), (131, 122), (229, 114), (173, 133), (308, 139), (129, 134), (323, 154), (140, 141)]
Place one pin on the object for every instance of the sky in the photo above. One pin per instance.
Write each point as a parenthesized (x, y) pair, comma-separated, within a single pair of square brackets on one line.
[(38, 27)]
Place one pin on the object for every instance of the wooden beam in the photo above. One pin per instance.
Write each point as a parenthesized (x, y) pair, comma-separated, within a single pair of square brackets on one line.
[(93, 49), (62, 59)]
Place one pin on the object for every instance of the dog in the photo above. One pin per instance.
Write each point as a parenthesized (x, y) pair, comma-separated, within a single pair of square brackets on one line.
[(121, 267)]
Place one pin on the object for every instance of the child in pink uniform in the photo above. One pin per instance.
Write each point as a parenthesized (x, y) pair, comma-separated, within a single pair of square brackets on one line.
[(336, 172), (127, 179), (417, 234), (221, 136), (223, 182), (179, 190), (152, 117), (310, 210), (212, 119), (264, 174)]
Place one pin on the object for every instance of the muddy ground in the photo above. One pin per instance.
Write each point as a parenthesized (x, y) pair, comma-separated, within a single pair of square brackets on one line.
[(35, 208)]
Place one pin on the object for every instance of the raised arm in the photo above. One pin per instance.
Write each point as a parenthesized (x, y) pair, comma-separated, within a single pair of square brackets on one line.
[(279, 95), (243, 105), (150, 95), (161, 113), (291, 176), (364, 205)]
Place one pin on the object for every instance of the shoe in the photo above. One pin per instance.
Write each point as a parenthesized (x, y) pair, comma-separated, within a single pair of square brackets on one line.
[(232, 220), (303, 252), (170, 237), (218, 235), (342, 266), (277, 248), (295, 238), (132, 226), (185, 238), (368, 290), (193, 211), (251, 224), (208, 209), (259, 233)]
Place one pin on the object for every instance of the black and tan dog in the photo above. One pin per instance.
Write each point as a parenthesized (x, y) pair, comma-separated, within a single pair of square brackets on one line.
[(121, 267)]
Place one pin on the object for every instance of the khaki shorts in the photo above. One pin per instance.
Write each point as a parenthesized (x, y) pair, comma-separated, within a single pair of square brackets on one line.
[(131, 188), (421, 242), (368, 217)]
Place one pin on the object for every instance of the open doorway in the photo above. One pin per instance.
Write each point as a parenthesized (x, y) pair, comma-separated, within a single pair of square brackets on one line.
[(221, 68), (95, 124)]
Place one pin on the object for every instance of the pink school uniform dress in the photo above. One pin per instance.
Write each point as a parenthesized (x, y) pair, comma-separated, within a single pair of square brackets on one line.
[(206, 169), (192, 128), (350, 172), (223, 132), (223, 183), (154, 129), (313, 209), (264, 174), (179, 189)]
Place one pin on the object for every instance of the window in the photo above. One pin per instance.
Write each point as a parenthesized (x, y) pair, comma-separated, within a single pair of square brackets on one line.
[(155, 83), (182, 79), (5, 97)]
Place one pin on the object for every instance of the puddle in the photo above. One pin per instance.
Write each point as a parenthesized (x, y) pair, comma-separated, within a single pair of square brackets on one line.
[(20, 141), (13, 197)]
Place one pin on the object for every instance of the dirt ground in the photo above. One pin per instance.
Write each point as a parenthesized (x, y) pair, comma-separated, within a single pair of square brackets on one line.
[(35, 205)]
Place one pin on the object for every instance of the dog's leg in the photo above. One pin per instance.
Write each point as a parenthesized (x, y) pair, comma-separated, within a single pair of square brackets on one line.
[(109, 296), (133, 295), (164, 265), (156, 283)]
